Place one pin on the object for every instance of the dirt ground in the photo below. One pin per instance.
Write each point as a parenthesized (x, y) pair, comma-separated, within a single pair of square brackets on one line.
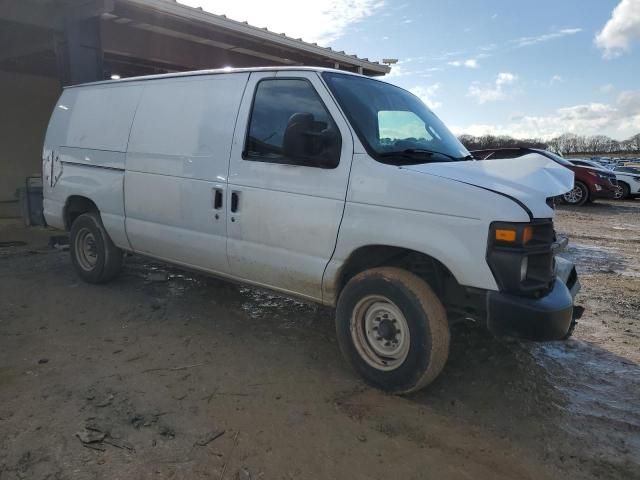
[(174, 375)]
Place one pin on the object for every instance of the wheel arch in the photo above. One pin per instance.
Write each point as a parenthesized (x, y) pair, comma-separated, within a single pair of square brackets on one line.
[(622, 182), (75, 206), (433, 271), (587, 187)]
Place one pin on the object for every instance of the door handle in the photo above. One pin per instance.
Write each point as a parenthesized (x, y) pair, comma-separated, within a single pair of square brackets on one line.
[(217, 199), (235, 198)]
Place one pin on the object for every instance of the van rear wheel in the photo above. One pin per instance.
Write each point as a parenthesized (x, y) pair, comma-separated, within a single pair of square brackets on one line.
[(95, 258), (392, 329)]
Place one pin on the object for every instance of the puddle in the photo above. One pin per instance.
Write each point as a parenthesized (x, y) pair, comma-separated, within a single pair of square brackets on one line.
[(626, 227), (261, 304), (578, 400), (591, 259), (601, 392), (254, 302)]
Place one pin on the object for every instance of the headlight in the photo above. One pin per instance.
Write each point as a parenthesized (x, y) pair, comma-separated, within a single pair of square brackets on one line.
[(512, 234), (520, 256)]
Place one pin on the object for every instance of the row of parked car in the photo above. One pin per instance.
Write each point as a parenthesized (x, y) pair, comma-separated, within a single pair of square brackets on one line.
[(627, 176), (611, 163), (592, 179)]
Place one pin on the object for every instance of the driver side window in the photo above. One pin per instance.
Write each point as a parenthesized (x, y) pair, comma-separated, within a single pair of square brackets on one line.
[(290, 125)]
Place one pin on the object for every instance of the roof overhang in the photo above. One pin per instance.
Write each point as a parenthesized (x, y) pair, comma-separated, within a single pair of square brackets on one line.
[(171, 10), (173, 35)]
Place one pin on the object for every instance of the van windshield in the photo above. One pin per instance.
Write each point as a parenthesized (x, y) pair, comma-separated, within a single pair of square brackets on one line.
[(394, 125)]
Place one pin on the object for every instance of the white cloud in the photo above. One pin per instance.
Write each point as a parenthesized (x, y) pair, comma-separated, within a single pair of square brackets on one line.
[(469, 63), (321, 22), (400, 69), (476, 54), (556, 79), (496, 91), (608, 88), (528, 41), (621, 29), (505, 78), (620, 120), (426, 93)]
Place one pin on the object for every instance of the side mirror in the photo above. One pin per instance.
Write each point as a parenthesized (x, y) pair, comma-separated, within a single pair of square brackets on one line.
[(311, 142)]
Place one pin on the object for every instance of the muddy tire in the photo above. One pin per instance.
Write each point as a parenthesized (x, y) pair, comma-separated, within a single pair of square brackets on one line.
[(579, 195), (392, 329), (95, 258)]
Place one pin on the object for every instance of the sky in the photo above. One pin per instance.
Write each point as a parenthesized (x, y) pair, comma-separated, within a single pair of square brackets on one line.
[(514, 67)]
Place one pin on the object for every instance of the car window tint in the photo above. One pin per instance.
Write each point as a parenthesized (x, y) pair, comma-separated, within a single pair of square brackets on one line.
[(289, 124)]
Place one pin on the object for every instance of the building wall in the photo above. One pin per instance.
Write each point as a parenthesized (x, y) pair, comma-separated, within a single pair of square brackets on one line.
[(26, 102)]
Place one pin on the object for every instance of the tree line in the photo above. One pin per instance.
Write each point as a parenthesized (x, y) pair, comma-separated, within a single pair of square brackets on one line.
[(564, 144)]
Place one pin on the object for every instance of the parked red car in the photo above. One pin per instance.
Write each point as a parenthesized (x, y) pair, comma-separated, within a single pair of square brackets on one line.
[(590, 182)]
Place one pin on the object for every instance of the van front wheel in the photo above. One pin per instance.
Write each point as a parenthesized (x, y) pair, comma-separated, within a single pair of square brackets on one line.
[(94, 256), (393, 329)]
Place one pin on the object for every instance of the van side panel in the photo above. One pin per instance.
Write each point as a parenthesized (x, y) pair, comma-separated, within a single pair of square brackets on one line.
[(444, 219), (84, 152), (178, 158), (103, 186)]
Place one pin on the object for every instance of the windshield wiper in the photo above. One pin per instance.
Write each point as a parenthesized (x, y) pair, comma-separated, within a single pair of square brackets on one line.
[(413, 153)]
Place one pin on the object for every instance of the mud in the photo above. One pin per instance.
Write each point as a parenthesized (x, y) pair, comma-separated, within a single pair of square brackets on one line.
[(160, 361)]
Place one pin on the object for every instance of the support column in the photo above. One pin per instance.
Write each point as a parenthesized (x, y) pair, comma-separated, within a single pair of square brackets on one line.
[(79, 52)]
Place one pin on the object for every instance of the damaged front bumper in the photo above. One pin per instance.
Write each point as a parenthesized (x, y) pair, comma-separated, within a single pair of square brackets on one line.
[(551, 317)]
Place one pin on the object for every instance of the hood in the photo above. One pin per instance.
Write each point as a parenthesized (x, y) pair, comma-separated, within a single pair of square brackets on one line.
[(597, 169), (530, 179)]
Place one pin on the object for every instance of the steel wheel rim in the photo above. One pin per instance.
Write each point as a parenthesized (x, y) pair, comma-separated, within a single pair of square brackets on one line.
[(86, 249), (574, 196), (380, 333)]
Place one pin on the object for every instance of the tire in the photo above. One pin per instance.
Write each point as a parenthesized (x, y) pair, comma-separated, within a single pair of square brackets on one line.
[(625, 191), (578, 196), (372, 300), (95, 258)]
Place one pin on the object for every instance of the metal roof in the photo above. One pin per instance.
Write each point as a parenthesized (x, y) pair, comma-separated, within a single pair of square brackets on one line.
[(172, 7)]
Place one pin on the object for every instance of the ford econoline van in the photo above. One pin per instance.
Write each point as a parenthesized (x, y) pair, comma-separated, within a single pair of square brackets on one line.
[(325, 185)]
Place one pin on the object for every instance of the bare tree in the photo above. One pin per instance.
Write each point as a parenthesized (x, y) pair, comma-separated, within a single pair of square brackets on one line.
[(567, 143)]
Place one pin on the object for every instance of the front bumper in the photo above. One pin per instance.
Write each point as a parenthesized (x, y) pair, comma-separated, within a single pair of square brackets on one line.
[(540, 319), (603, 190)]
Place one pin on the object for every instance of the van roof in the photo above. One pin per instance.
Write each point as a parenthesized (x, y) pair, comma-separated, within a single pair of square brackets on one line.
[(216, 71)]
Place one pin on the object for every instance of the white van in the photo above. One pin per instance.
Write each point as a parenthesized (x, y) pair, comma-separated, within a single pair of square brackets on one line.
[(330, 186)]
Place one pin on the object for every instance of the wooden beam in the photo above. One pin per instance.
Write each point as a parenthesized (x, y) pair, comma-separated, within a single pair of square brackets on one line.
[(172, 27), (53, 14), (127, 41)]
